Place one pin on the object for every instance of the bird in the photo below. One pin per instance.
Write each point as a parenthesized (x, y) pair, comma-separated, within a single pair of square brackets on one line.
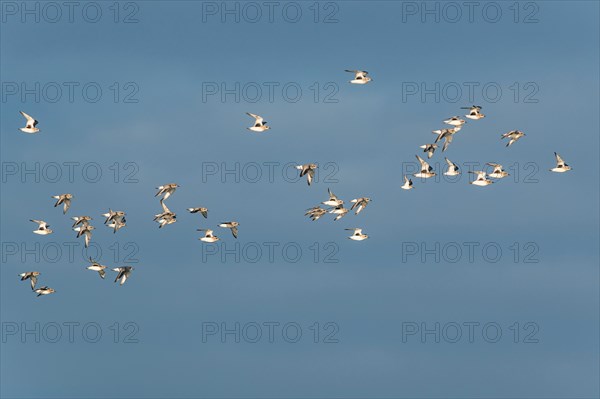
[(360, 77), (44, 291), (32, 276), (308, 170), (333, 200), (85, 230), (80, 220), (561, 166), (447, 135), (481, 179), (360, 204), (97, 267), (260, 125), (166, 190), (30, 126), (429, 149), (340, 211), (315, 213), (408, 184), (166, 217), (498, 172), (357, 235), (42, 227), (201, 210), (65, 200), (452, 168), (112, 215), (426, 170), (231, 225), (116, 224), (474, 112), (123, 273), (455, 121), (514, 136), (208, 236)]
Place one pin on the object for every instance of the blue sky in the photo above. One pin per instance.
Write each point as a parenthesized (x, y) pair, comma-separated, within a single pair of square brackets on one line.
[(376, 288)]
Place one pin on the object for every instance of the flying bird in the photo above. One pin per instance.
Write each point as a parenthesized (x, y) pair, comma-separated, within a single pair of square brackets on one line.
[(231, 225), (429, 149), (97, 267), (166, 190), (308, 170), (447, 135), (65, 200), (481, 179), (30, 126), (42, 227), (333, 200), (32, 276), (408, 184), (44, 291), (360, 77), (452, 168), (208, 236), (426, 170), (260, 125), (514, 135), (114, 219), (360, 204), (166, 217), (357, 235), (455, 121), (561, 166), (315, 213), (123, 273), (112, 215), (474, 112), (85, 230), (80, 220), (498, 172), (202, 211), (339, 211), (117, 224)]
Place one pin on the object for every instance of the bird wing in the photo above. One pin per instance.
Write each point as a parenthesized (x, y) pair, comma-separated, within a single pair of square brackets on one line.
[(30, 120), (332, 196), (164, 207), (258, 118), (424, 165)]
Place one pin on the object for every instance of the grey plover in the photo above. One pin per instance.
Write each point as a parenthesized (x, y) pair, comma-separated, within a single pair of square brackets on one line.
[(30, 125), (260, 125), (408, 184), (307, 169), (43, 227), (166, 190), (426, 170), (561, 166), (360, 204), (231, 225), (360, 77), (357, 235), (32, 276), (453, 169), (65, 200), (123, 273), (481, 180), (514, 135), (208, 236)]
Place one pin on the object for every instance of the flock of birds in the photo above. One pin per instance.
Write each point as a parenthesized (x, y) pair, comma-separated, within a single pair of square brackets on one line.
[(334, 205)]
